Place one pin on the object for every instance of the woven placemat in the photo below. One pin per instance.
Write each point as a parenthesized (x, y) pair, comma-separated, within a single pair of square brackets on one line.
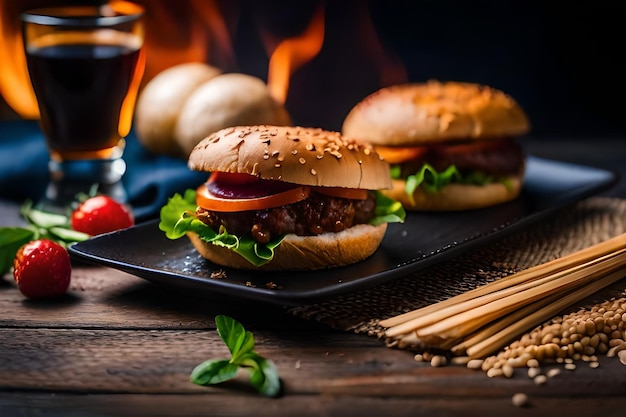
[(584, 224)]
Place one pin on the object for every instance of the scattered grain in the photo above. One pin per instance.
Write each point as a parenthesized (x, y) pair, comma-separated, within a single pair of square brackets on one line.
[(616, 348), (438, 360), (533, 372), (578, 336), (459, 360), (520, 399), (540, 379), (475, 363), (532, 363)]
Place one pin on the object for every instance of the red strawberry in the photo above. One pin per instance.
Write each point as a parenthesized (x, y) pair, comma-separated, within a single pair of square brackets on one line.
[(101, 214), (42, 269)]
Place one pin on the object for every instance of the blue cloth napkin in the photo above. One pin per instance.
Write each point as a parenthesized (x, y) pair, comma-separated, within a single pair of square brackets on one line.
[(149, 180)]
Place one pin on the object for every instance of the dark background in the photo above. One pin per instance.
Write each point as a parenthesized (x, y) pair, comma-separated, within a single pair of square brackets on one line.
[(562, 61)]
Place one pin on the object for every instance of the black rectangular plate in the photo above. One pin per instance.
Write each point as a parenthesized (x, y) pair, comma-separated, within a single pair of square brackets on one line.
[(423, 240)]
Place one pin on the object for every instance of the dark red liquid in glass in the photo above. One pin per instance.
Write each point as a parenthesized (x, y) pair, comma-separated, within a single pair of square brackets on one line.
[(80, 89)]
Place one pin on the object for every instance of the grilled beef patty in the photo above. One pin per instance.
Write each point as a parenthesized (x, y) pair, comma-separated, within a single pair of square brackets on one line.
[(313, 216)]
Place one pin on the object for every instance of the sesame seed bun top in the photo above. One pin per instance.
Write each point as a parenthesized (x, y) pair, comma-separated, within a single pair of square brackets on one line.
[(422, 113), (300, 155)]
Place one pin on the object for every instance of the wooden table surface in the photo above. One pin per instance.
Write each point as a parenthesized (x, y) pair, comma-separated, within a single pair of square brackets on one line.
[(118, 345)]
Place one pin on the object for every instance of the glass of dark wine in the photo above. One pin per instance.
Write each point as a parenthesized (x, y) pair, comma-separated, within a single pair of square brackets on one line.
[(85, 65)]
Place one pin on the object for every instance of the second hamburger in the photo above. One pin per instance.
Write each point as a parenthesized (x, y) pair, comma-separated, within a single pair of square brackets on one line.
[(451, 145)]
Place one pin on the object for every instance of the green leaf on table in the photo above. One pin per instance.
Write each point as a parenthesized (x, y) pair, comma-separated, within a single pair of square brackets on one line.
[(214, 371), (237, 339), (264, 376), (11, 239), (240, 342)]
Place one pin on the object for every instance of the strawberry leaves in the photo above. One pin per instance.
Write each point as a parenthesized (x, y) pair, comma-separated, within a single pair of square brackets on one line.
[(11, 239), (240, 342), (40, 225)]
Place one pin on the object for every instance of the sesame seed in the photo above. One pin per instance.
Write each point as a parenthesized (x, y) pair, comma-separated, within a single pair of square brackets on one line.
[(302, 161), (313, 172)]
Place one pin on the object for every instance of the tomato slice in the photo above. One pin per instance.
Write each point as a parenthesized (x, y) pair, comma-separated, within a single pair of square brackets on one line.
[(212, 202), (398, 154), (350, 193)]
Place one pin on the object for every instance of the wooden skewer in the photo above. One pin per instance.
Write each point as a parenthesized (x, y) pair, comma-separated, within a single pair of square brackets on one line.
[(474, 318), (500, 324), (498, 340), (482, 320), (533, 288), (551, 267)]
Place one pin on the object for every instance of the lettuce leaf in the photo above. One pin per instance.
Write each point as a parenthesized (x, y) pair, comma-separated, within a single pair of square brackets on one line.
[(178, 217), (433, 181), (387, 210)]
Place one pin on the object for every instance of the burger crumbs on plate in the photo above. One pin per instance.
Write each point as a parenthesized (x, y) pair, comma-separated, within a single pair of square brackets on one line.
[(219, 274)]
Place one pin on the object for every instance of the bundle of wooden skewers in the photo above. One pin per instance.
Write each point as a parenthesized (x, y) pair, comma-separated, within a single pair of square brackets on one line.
[(482, 321)]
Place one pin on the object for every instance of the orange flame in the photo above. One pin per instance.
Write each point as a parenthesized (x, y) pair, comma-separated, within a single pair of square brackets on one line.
[(176, 32), (14, 80), (292, 53), (199, 31), (173, 35)]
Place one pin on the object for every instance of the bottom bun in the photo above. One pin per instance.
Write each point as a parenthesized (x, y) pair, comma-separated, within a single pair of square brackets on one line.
[(327, 250), (456, 197)]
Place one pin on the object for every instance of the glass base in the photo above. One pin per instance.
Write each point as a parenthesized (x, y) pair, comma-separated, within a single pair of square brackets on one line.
[(70, 179)]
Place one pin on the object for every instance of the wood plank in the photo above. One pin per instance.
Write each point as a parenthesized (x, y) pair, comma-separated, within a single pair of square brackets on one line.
[(102, 297), (228, 404), (148, 361)]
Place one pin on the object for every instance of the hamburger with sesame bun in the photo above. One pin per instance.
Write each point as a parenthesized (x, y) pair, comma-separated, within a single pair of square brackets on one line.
[(450, 145), (283, 198)]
